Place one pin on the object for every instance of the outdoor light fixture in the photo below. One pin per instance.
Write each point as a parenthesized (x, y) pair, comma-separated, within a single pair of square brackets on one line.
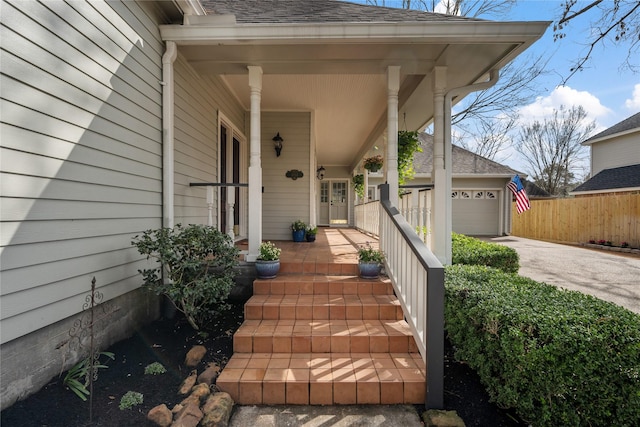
[(277, 144), (320, 173)]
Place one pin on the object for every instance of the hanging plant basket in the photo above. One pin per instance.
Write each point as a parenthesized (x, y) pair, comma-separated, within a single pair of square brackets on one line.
[(373, 164)]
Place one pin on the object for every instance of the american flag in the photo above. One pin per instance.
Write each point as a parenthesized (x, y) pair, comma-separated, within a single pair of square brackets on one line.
[(522, 201)]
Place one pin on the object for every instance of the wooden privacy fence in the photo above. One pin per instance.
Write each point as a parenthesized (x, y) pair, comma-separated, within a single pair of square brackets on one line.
[(614, 217)]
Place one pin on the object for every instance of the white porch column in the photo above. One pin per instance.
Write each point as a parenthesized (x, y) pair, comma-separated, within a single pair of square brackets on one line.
[(255, 167), (365, 174), (168, 58), (441, 194), (393, 86)]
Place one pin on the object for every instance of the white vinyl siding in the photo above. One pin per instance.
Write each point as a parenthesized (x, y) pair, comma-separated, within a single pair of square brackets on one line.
[(618, 151), (81, 153), (285, 200)]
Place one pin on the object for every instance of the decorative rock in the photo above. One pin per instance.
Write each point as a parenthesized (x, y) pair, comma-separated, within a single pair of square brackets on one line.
[(161, 415), (201, 392), (195, 355), (437, 418), (188, 383), (189, 416), (217, 410), (209, 375)]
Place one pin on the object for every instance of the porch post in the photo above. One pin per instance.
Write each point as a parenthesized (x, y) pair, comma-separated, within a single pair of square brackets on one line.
[(168, 58), (255, 167), (393, 86), (365, 174), (441, 194)]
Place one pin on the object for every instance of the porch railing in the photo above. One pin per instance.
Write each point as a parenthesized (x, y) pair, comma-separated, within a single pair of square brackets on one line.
[(367, 217), (415, 207), (418, 279)]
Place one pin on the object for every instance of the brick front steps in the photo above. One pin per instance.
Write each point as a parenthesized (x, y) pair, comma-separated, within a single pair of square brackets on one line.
[(323, 339)]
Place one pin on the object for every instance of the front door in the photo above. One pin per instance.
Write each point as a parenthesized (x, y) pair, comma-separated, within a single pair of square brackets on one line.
[(333, 206)]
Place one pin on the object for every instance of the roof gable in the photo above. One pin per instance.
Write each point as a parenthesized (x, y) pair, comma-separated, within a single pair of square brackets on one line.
[(627, 124), (614, 178), (317, 11)]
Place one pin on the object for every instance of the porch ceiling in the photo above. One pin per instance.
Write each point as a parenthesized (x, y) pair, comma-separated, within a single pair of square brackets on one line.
[(339, 71)]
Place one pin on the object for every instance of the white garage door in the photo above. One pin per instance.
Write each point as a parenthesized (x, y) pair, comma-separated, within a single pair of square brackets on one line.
[(475, 212)]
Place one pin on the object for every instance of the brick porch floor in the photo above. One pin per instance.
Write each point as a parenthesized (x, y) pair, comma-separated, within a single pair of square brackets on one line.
[(318, 334)]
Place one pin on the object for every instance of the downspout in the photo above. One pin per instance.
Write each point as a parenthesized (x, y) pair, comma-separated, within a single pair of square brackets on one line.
[(167, 83), (494, 76)]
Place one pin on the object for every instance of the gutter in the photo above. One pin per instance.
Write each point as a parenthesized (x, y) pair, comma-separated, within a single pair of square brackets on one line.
[(167, 83)]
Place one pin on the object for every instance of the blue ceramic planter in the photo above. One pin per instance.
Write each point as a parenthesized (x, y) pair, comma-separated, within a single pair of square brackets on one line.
[(267, 269), (369, 270), (298, 236)]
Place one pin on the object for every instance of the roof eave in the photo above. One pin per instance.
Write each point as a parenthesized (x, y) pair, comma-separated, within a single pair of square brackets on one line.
[(608, 190), (610, 136)]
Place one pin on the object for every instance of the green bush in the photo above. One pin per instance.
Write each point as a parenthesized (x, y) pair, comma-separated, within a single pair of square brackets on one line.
[(198, 262), (155, 368), (471, 251), (131, 399), (560, 358)]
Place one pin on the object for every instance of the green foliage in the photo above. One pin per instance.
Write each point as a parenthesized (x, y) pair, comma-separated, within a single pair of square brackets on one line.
[(358, 184), (560, 358), (269, 252), (312, 230), (198, 264), (78, 377), (131, 399), (368, 254), (471, 251), (374, 162), (155, 368), (298, 225), (408, 145)]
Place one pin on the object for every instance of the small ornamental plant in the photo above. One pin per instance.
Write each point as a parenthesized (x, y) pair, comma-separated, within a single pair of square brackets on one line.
[(312, 230), (602, 242), (624, 245), (298, 225), (131, 399), (155, 368), (373, 163), (269, 252), (367, 254), (592, 241)]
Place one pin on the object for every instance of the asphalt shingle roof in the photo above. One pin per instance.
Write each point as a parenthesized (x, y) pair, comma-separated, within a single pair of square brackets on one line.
[(463, 161), (609, 179), (632, 122), (317, 11)]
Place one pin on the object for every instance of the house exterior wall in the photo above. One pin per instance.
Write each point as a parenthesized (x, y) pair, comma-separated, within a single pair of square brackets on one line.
[(198, 101), (81, 174), (285, 200), (618, 151)]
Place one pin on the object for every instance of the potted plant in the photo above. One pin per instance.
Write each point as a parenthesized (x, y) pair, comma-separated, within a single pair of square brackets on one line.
[(370, 262), (298, 229), (358, 184), (268, 262), (311, 232), (372, 164)]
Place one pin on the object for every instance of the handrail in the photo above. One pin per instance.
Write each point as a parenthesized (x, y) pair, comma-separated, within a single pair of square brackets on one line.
[(418, 279)]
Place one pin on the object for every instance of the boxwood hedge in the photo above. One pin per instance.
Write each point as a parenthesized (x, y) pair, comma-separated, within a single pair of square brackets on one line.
[(560, 358), (472, 251)]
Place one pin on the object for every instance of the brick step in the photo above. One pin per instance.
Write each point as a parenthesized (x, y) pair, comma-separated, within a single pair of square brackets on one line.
[(319, 267), (317, 284), (324, 336), (324, 379), (323, 307)]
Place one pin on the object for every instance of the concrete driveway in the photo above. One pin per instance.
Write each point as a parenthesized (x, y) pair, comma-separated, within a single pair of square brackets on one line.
[(607, 275)]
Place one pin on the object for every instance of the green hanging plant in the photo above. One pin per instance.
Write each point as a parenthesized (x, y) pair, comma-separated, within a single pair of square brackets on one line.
[(408, 145), (358, 184)]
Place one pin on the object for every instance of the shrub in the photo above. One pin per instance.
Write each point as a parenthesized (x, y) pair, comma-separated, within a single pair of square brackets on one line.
[(130, 399), (558, 357), (471, 251), (198, 262)]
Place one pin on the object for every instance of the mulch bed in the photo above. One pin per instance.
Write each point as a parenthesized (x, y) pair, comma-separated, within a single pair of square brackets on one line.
[(167, 341)]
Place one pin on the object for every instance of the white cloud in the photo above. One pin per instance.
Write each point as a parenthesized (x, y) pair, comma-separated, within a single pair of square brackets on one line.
[(633, 104), (563, 96)]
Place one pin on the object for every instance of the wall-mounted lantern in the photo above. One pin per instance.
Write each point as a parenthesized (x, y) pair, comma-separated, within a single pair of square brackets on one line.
[(320, 173), (277, 144)]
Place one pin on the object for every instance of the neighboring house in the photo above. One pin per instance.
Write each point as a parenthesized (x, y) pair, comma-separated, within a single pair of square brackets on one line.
[(111, 110), (481, 202), (615, 160)]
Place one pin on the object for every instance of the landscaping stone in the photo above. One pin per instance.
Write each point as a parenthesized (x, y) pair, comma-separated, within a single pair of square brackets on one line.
[(438, 418), (161, 415), (217, 410), (188, 383), (209, 375), (195, 355), (189, 416)]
